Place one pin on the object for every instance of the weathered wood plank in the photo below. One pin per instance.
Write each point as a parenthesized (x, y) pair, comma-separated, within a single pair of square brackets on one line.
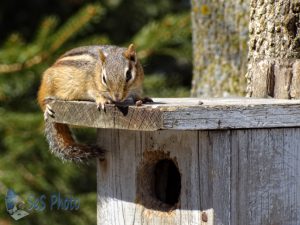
[(240, 140), (183, 114), (122, 193), (214, 171), (86, 114), (251, 176), (247, 176), (264, 182), (116, 176), (179, 145)]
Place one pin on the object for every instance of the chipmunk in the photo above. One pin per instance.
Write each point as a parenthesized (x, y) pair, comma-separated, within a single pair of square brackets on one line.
[(104, 74)]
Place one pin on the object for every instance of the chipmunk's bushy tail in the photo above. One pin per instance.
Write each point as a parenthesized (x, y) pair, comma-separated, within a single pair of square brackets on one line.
[(60, 139), (63, 145)]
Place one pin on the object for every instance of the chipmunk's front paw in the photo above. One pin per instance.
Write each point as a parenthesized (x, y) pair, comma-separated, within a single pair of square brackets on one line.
[(49, 99), (147, 99), (101, 103), (48, 112), (142, 101)]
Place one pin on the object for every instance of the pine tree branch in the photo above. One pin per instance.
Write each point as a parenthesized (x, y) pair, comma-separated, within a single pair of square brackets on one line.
[(75, 24), (172, 29)]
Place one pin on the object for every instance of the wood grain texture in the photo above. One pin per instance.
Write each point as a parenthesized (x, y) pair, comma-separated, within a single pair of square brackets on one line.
[(120, 200), (183, 114), (215, 173), (267, 187), (246, 176)]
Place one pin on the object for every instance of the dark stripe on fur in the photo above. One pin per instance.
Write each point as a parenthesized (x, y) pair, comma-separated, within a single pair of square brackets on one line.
[(79, 52), (73, 63)]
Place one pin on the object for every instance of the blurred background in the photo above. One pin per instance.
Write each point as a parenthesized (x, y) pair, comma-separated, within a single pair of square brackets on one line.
[(33, 34)]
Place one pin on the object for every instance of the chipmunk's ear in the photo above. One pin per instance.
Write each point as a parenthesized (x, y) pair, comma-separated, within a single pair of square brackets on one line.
[(130, 53), (102, 56)]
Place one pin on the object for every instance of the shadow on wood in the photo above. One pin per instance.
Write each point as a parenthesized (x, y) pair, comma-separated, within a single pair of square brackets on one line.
[(239, 157)]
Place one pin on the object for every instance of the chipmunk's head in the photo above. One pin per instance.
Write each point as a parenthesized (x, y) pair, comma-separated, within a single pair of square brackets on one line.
[(121, 72)]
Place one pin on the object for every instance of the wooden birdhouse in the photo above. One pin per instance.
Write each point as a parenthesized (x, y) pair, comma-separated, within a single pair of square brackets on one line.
[(195, 161)]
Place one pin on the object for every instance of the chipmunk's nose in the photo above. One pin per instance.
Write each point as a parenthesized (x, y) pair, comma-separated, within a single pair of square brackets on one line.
[(117, 97)]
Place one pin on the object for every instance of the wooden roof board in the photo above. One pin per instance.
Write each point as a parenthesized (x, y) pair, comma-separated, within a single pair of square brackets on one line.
[(182, 114)]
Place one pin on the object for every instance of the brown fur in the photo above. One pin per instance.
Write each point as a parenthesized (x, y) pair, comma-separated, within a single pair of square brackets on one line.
[(77, 75)]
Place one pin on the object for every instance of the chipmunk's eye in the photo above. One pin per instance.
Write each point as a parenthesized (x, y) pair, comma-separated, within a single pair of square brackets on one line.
[(128, 75), (104, 79)]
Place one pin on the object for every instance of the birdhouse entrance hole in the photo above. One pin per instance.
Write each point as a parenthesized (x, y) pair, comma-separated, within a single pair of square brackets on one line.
[(159, 181), (167, 181)]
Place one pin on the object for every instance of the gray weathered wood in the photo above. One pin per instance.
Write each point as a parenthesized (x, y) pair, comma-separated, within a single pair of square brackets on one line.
[(183, 114), (241, 175), (120, 198), (247, 176), (217, 178), (267, 187)]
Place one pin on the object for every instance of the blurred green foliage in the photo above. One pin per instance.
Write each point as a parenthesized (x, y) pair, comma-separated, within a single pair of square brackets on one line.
[(161, 32)]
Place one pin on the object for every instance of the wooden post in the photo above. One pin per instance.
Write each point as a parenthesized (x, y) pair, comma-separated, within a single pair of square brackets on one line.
[(274, 49), (181, 161)]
